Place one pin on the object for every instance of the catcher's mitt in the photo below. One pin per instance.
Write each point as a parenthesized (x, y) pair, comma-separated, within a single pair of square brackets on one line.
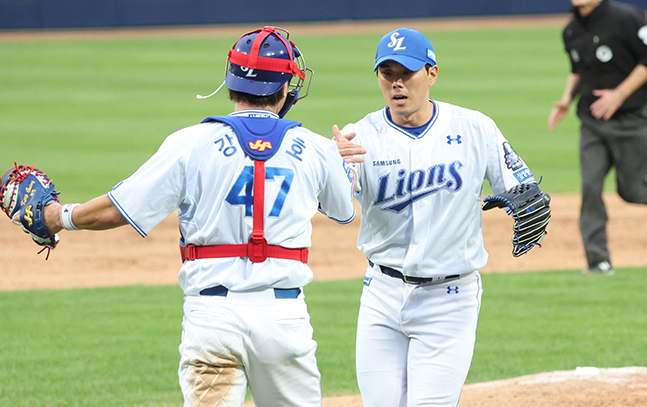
[(530, 209), (24, 193)]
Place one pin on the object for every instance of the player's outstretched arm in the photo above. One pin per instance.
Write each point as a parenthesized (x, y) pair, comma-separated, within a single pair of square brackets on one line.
[(349, 151), (97, 214)]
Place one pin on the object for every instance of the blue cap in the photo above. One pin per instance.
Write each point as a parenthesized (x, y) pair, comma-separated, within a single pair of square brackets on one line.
[(407, 47)]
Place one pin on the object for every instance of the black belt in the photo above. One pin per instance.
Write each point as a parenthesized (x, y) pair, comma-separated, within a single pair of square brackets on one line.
[(391, 272), (281, 293)]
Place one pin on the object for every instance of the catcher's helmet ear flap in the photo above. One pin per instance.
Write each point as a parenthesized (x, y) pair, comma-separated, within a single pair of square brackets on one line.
[(293, 96), (262, 61)]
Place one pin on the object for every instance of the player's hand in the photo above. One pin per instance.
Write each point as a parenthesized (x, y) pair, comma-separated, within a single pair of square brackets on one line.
[(608, 102), (558, 113), (349, 151)]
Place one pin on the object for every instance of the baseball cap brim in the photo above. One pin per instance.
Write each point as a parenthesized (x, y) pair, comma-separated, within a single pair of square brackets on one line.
[(412, 64)]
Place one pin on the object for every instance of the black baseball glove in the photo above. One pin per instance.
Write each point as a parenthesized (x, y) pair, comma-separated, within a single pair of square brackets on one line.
[(530, 209), (24, 193)]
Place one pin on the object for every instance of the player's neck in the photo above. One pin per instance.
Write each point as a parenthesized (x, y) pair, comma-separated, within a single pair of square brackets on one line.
[(585, 11), (415, 119), (241, 105)]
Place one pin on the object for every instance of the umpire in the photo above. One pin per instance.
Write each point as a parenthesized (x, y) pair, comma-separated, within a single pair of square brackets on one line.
[(607, 45)]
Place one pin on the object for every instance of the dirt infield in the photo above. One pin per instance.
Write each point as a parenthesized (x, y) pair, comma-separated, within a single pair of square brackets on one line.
[(121, 256)]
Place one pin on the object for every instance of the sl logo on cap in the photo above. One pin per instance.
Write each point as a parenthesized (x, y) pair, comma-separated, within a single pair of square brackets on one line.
[(396, 43)]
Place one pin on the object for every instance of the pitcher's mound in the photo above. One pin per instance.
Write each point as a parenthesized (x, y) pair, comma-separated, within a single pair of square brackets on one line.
[(582, 387)]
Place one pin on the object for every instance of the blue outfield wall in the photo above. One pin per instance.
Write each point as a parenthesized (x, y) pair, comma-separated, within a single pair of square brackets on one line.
[(47, 14)]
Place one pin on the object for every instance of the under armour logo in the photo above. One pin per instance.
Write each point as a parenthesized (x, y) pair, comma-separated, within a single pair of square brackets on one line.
[(456, 139), (260, 145), (451, 289), (396, 43)]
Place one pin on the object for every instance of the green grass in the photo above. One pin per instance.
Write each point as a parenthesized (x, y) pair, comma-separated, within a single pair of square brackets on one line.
[(91, 112), (90, 347), (517, 89), (333, 308), (108, 347), (535, 322)]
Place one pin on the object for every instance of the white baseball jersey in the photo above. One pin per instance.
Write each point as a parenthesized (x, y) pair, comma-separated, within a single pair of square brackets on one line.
[(203, 172), (421, 193)]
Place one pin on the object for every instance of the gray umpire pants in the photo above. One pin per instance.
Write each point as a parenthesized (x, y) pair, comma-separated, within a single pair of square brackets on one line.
[(621, 143)]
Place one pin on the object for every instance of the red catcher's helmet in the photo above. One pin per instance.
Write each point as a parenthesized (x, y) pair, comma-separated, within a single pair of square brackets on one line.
[(262, 61)]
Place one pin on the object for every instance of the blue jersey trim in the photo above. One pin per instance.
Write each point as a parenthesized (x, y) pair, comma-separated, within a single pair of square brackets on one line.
[(343, 222), (414, 135), (125, 215)]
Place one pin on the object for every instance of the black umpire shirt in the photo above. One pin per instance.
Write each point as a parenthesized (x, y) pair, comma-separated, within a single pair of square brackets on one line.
[(604, 47)]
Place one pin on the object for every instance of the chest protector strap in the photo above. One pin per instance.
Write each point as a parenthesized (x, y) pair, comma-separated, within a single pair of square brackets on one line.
[(260, 138)]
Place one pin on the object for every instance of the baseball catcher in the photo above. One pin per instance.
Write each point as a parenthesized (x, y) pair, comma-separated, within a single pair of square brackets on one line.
[(220, 176), (24, 193), (530, 209)]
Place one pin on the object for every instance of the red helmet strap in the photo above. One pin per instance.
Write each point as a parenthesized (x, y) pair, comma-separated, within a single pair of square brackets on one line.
[(254, 61)]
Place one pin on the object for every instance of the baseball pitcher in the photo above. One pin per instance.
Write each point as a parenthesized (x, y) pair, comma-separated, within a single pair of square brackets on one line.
[(420, 166)]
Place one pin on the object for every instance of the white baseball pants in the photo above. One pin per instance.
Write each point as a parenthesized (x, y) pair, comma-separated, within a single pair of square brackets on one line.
[(248, 339), (415, 342)]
